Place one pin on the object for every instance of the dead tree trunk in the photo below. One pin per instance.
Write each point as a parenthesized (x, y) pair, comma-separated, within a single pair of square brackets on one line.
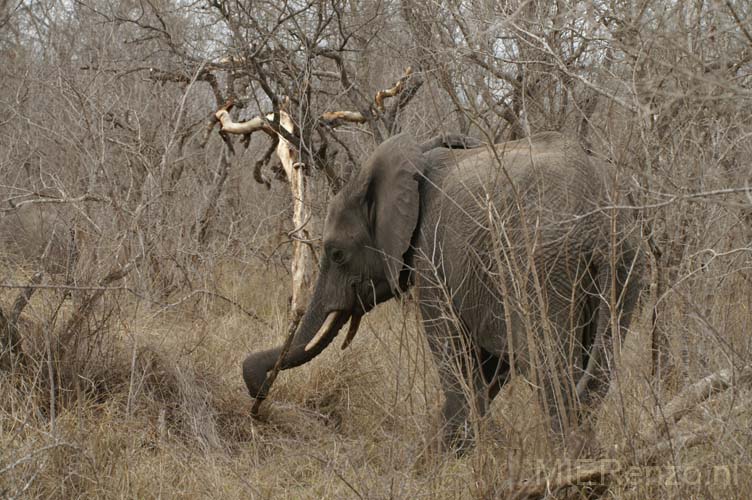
[(281, 128), (303, 259)]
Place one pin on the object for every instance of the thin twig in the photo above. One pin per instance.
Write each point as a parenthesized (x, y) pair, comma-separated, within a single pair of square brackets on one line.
[(739, 23), (87, 197), (671, 199), (247, 312), (31, 455), (81, 314), (337, 473), (60, 287), (23, 298), (305, 222), (278, 365)]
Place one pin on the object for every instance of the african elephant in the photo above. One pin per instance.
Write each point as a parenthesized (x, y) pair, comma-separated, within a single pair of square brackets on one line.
[(514, 255)]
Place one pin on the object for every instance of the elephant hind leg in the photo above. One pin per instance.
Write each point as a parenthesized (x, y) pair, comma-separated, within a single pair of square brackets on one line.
[(599, 369), (556, 396), (495, 370)]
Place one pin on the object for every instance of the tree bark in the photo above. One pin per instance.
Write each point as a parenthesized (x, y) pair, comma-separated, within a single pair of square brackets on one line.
[(303, 259)]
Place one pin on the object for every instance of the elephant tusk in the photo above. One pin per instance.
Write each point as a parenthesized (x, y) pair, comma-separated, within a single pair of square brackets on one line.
[(323, 330), (354, 324)]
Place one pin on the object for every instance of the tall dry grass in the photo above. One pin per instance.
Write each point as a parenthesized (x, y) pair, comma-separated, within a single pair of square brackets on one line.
[(102, 112), (161, 411)]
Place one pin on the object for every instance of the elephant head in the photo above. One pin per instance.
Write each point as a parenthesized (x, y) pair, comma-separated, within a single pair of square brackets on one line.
[(367, 240)]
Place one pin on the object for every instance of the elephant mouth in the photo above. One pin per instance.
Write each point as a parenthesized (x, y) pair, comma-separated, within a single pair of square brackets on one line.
[(329, 328)]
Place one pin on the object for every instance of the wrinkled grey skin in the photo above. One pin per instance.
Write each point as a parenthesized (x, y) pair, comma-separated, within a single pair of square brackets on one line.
[(460, 225)]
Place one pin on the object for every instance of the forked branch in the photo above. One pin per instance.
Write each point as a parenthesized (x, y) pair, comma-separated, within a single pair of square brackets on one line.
[(229, 126), (397, 88), (272, 126)]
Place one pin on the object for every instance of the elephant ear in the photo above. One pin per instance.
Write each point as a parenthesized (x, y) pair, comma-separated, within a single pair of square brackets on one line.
[(391, 178)]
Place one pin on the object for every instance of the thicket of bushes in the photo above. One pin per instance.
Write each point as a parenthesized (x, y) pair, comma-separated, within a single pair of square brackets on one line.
[(142, 259)]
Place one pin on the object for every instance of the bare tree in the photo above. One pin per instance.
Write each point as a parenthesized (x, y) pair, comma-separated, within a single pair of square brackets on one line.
[(129, 228)]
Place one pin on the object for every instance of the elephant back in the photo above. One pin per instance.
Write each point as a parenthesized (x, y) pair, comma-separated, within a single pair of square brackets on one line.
[(542, 194)]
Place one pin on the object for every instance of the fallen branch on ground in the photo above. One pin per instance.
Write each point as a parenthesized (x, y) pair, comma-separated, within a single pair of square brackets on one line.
[(600, 472), (694, 394)]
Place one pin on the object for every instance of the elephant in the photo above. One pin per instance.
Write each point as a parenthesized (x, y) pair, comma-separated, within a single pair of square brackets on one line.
[(517, 254)]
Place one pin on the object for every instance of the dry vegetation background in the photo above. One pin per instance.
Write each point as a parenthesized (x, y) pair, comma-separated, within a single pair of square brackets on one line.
[(142, 259)]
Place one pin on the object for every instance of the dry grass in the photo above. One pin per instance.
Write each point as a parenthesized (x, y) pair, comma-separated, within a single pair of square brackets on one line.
[(103, 113), (166, 415)]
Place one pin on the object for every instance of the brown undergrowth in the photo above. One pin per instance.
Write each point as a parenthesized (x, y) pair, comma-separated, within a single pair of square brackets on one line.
[(158, 409)]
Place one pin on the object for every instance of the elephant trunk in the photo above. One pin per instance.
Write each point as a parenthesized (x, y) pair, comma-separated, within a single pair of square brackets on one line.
[(302, 349)]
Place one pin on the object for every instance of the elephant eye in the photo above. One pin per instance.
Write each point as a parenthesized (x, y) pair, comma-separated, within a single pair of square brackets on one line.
[(337, 256)]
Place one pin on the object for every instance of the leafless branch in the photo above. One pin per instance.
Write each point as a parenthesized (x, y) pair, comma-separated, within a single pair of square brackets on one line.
[(49, 200), (81, 314), (272, 376)]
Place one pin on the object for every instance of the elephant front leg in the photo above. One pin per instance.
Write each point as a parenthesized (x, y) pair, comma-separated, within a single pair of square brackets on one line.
[(467, 394)]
